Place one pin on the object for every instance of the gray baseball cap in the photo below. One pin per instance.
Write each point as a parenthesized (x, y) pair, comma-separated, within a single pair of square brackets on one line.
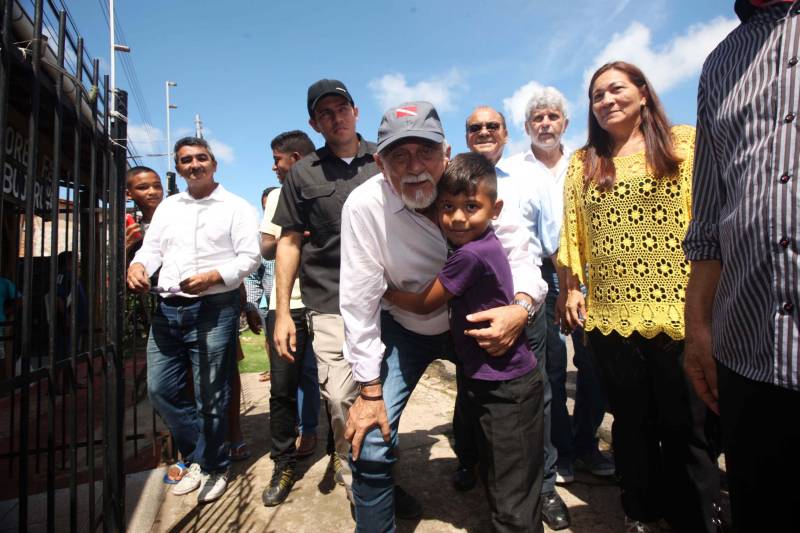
[(412, 119)]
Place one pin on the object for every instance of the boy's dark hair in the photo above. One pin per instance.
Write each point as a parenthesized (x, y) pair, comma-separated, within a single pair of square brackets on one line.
[(135, 171), (193, 141), (292, 141), (466, 172)]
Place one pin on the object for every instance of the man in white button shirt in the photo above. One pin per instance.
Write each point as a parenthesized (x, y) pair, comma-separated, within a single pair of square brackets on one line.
[(541, 169), (389, 239), (205, 242)]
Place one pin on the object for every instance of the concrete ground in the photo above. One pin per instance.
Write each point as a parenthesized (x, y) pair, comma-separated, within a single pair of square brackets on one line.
[(316, 504)]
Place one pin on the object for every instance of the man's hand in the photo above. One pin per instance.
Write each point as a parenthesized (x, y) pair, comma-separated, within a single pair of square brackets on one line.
[(133, 236), (253, 320), (505, 326), (698, 363), (363, 416), (698, 357), (574, 310), (200, 282), (285, 336), (138, 281)]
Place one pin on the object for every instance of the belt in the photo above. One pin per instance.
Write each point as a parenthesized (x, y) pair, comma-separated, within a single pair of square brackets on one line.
[(187, 300)]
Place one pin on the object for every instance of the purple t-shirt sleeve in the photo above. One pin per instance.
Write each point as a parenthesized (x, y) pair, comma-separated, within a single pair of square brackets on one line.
[(462, 270)]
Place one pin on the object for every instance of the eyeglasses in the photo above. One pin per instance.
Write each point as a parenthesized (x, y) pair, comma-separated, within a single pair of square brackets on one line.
[(478, 126), (159, 290)]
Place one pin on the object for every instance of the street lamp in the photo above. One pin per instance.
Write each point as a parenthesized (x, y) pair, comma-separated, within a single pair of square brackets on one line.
[(167, 85)]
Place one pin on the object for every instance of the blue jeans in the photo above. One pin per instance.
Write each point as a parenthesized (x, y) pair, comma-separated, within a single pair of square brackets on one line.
[(308, 394), (575, 438), (406, 358), (200, 332)]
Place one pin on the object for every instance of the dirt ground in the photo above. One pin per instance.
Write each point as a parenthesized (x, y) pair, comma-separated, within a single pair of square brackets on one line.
[(316, 504)]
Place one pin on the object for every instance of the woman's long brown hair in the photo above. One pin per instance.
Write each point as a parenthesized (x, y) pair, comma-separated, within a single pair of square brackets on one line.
[(598, 163)]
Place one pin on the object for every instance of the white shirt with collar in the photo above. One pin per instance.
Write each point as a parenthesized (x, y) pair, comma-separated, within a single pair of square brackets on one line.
[(539, 192), (386, 244), (188, 236)]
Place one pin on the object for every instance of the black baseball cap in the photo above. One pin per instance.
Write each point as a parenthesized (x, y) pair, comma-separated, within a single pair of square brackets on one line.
[(323, 88)]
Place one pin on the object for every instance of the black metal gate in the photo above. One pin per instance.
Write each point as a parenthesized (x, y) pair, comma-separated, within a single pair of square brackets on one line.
[(62, 376)]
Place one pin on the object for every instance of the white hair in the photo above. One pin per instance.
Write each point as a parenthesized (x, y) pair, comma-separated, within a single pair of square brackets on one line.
[(546, 97)]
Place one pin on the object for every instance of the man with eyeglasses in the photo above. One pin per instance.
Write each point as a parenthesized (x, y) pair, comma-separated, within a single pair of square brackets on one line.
[(205, 241), (390, 239)]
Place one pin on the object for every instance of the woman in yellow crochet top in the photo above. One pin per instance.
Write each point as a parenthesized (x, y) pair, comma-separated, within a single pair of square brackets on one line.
[(627, 205)]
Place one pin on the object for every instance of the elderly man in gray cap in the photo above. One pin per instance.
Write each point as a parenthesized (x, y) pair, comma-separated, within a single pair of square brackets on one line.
[(390, 240)]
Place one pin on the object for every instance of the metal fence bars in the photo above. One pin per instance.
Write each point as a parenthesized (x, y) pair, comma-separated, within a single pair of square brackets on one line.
[(63, 439)]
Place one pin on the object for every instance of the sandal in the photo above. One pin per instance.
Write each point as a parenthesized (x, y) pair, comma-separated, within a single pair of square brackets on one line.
[(175, 473), (264, 376), (239, 452)]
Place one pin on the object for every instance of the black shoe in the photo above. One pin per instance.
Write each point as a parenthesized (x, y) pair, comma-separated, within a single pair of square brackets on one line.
[(464, 478), (279, 486), (554, 511), (406, 507)]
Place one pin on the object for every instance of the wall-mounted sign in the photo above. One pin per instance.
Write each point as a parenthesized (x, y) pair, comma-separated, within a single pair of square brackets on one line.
[(15, 173)]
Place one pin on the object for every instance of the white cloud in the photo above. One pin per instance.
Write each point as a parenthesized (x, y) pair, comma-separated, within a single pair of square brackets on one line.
[(514, 105), (150, 140), (146, 140), (223, 152), (393, 89), (667, 65)]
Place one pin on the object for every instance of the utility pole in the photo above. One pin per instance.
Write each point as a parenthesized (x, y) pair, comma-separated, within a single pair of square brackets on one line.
[(167, 85), (198, 127), (112, 57)]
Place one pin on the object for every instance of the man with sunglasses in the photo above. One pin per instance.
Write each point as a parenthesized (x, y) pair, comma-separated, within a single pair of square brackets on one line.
[(205, 241)]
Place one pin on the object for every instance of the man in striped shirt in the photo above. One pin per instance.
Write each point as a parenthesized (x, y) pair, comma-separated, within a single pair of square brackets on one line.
[(743, 296)]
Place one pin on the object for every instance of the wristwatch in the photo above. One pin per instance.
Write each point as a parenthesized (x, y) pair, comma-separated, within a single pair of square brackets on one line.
[(527, 307)]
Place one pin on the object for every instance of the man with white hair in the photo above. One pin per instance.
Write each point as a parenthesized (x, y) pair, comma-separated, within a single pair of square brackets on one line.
[(390, 240), (537, 175)]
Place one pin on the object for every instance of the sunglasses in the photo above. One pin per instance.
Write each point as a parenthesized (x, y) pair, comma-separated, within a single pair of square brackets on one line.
[(478, 126)]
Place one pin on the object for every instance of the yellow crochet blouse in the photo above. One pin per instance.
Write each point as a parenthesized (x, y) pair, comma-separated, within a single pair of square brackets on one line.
[(630, 238)]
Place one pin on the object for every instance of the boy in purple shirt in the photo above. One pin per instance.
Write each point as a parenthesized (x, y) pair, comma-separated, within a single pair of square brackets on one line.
[(503, 394)]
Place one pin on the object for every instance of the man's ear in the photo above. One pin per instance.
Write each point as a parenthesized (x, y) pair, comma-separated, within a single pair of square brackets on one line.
[(128, 194), (447, 153), (313, 123), (355, 112), (566, 125), (498, 207), (378, 161), (296, 156)]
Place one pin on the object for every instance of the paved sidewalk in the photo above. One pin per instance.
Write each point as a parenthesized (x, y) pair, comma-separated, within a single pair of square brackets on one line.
[(316, 504)]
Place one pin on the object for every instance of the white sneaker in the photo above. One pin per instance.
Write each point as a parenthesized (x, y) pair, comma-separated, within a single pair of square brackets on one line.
[(190, 481), (213, 487)]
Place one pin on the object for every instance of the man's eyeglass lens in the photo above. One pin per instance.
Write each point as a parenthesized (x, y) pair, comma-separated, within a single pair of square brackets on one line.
[(490, 126)]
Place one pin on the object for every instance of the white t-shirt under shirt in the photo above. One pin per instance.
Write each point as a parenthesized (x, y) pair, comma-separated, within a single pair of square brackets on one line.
[(295, 301)]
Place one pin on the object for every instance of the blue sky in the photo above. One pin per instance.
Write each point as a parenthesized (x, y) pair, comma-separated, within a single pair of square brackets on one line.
[(245, 65)]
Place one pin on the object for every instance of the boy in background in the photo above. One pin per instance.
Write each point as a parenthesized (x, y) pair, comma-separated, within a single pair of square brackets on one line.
[(143, 186)]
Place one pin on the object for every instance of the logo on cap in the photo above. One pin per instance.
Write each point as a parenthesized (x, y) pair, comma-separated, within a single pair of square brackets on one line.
[(407, 111)]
